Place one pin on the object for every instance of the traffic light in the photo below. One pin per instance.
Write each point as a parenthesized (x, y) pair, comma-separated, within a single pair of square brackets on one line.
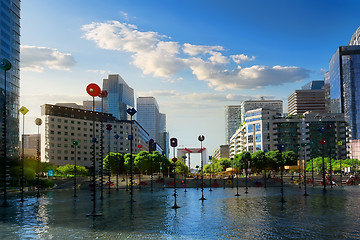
[(152, 145), (173, 142)]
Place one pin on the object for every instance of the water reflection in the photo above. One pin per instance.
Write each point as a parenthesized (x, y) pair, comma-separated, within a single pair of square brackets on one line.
[(257, 215)]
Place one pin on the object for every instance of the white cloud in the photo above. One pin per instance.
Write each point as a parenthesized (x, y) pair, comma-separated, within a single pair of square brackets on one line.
[(100, 71), (160, 58), (36, 59), (169, 93), (239, 58)]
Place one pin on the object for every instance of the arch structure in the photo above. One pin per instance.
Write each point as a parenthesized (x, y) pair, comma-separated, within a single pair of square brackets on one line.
[(185, 153), (355, 39)]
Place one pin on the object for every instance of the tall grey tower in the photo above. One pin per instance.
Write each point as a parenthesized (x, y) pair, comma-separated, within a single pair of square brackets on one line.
[(120, 96), (232, 120), (148, 116), (10, 50)]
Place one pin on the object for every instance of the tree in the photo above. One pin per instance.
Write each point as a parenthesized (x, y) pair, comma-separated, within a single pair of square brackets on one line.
[(290, 158), (116, 162), (142, 161), (274, 159)]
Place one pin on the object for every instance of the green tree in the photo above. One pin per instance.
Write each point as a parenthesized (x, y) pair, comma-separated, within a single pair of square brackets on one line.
[(274, 159), (290, 158)]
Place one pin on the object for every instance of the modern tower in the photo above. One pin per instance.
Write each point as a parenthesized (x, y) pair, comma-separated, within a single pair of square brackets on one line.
[(276, 105), (10, 50), (148, 116), (120, 96), (311, 98), (343, 86), (232, 120)]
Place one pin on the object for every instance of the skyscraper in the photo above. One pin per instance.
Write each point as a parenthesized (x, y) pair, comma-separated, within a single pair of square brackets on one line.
[(150, 118), (276, 105), (343, 86), (232, 120), (120, 96), (10, 50), (310, 98)]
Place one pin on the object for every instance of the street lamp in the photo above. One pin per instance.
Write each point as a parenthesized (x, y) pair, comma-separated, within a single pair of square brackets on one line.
[(246, 174), (22, 110), (323, 142), (94, 91), (6, 66), (38, 122), (184, 158), (152, 147), (210, 158), (131, 112), (304, 151), (197, 177), (201, 138), (237, 181), (103, 94), (117, 163), (173, 143), (281, 148), (75, 143), (109, 128)]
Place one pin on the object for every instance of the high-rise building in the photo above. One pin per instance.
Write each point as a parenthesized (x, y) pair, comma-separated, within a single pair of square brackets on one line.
[(62, 125), (276, 105), (148, 116), (232, 120), (310, 99), (120, 96), (343, 86), (355, 39), (10, 50)]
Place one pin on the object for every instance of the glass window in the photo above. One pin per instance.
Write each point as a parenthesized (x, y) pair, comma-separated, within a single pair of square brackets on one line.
[(250, 128), (258, 137), (257, 127)]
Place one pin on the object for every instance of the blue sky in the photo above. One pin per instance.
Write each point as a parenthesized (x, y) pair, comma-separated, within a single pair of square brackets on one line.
[(194, 57)]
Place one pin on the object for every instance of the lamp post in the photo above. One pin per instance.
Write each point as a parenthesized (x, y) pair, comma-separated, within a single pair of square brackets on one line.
[(38, 122), (116, 136), (152, 147), (109, 128), (197, 177), (281, 148), (22, 110), (323, 142), (237, 181), (103, 94), (75, 143), (173, 143), (6, 66), (210, 158), (131, 112), (246, 174), (94, 91), (304, 151), (201, 138), (298, 150), (184, 158)]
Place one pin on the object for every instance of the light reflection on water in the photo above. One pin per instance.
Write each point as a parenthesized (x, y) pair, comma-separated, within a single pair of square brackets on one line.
[(257, 215)]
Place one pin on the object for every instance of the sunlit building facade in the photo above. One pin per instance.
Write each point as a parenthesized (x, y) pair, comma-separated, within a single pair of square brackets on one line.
[(10, 50), (232, 120)]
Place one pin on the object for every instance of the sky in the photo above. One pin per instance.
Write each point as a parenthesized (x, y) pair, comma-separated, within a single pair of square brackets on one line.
[(194, 56)]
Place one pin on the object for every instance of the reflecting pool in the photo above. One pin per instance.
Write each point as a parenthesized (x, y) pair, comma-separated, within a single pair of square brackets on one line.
[(256, 215)]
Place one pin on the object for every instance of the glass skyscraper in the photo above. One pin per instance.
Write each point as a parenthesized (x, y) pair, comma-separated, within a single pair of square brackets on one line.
[(120, 96), (148, 116), (10, 50), (232, 121), (343, 87)]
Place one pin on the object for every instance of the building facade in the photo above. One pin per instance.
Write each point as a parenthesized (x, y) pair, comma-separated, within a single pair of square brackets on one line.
[(343, 86), (10, 50), (222, 152), (232, 120), (120, 96), (62, 125), (276, 105), (301, 101), (148, 116)]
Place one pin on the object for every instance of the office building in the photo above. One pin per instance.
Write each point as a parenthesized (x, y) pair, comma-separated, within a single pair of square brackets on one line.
[(311, 98), (355, 39), (276, 105), (343, 86), (62, 125), (222, 152), (148, 116), (232, 120), (10, 50), (120, 96)]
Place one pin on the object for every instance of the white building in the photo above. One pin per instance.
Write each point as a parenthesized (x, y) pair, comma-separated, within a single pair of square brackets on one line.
[(62, 125)]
